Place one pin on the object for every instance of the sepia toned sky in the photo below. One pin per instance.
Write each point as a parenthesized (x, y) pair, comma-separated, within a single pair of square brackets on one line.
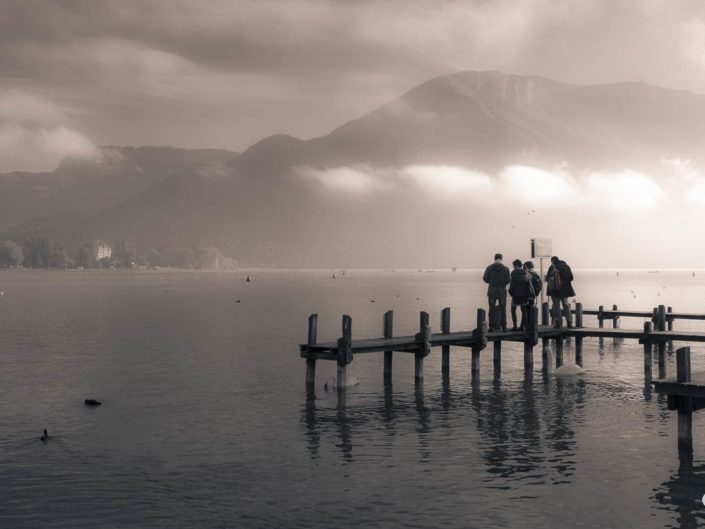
[(224, 73)]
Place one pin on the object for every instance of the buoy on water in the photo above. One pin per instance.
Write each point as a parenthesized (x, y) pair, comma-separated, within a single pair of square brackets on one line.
[(249, 279), (568, 370)]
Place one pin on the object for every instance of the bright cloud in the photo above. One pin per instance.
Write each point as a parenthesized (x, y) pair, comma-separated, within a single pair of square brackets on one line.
[(514, 185), (624, 190), (34, 135), (536, 186), (352, 180), (448, 181)]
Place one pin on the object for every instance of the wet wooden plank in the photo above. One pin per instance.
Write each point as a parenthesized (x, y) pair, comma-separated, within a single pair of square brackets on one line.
[(670, 386)]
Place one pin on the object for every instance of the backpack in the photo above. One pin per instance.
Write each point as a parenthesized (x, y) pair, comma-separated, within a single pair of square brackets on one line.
[(535, 283), (554, 281)]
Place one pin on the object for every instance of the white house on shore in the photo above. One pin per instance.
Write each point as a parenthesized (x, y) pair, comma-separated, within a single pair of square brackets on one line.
[(101, 250)]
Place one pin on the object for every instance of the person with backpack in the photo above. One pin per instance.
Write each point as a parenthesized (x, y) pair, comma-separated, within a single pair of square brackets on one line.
[(535, 285), (519, 289), (559, 281), (497, 278)]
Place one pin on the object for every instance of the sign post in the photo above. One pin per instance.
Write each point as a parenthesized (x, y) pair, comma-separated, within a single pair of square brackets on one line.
[(541, 248)]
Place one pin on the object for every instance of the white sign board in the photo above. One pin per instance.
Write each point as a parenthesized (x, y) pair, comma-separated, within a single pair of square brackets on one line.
[(541, 248)]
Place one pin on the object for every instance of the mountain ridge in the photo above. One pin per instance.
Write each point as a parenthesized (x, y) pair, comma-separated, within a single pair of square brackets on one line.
[(482, 121)]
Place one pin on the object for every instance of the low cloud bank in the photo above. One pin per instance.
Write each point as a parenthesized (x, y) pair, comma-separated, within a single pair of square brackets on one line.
[(35, 135), (624, 189)]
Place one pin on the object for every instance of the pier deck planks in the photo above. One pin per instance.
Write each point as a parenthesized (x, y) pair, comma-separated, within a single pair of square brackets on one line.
[(410, 344)]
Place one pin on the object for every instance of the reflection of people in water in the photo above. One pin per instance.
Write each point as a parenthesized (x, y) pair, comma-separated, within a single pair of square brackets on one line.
[(532, 433)]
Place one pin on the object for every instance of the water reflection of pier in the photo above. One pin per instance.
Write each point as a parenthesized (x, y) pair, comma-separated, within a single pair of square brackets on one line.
[(526, 429)]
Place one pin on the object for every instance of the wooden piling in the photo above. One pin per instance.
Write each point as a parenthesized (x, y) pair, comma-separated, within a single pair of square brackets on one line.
[(600, 316), (311, 362), (685, 408), (615, 323), (388, 355), (533, 338), (445, 349), (544, 313), (528, 355), (579, 339), (683, 364), (559, 347), (545, 354), (424, 339), (497, 354), (661, 322), (647, 346), (480, 332), (344, 357), (669, 321)]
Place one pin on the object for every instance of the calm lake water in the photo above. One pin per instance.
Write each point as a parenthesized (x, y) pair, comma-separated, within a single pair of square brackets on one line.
[(204, 420)]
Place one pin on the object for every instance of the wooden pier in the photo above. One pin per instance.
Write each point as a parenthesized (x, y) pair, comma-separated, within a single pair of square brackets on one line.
[(686, 393)]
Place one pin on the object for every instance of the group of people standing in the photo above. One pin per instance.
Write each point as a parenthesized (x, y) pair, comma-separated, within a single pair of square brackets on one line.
[(525, 285)]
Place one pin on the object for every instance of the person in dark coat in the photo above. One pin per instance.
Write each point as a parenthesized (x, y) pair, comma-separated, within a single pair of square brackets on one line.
[(520, 290), (497, 278), (559, 280)]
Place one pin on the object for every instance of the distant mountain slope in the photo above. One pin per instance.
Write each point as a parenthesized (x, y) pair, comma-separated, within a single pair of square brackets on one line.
[(260, 204), (89, 186), (489, 119)]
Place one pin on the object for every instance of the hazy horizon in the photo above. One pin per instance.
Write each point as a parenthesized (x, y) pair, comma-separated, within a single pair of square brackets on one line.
[(410, 134)]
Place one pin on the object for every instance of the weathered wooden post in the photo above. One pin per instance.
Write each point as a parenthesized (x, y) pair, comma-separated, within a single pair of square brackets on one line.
[(344, 358), (544, 313), (388, 333), (311, 360), (661, 318), (615, 322), (647, 346), (445, 349), (579, 339), (545, 351), (559, 345), (481, 333), (685, 408), (669, 321), (528, 356), (601, 324), (654, 326), (424, 339), (533, 338)]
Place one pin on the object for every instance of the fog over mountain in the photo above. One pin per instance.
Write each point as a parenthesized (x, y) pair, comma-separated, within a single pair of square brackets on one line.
[(454, 169)]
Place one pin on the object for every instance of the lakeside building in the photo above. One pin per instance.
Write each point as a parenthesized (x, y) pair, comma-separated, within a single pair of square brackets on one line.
[(101, 250)]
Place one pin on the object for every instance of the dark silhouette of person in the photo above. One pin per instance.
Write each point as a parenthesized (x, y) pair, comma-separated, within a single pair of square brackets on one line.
[(559, 281), (519, 290), (45, 437), (497, 278), (535, 286)]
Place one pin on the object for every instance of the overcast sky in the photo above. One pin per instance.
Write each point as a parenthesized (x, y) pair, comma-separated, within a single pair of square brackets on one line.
[(225, 73)]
